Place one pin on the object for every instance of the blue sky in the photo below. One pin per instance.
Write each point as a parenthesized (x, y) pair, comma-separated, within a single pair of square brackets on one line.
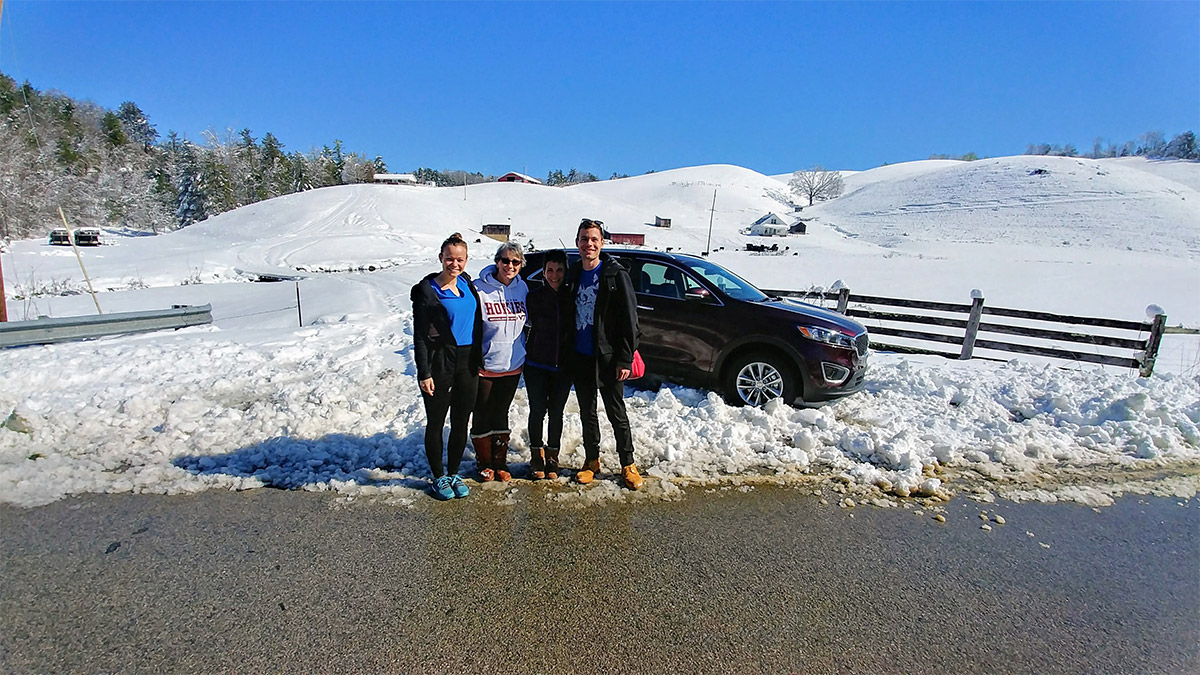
[(627, 87)]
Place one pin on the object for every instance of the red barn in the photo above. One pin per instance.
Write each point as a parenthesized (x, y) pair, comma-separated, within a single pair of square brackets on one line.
[(636, 239), (514, 177)]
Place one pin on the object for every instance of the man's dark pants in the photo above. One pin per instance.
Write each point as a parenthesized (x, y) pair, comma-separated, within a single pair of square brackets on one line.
[(591, 377)]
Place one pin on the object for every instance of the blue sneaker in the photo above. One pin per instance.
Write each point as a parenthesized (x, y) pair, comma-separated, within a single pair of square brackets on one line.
[(460, 488), (442, 489)]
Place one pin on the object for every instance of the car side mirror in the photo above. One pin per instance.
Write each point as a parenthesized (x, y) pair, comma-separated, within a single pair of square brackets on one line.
[(699, 294)]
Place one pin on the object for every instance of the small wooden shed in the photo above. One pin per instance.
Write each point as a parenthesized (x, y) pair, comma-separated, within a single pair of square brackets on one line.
[(662, 222), (497, 231)]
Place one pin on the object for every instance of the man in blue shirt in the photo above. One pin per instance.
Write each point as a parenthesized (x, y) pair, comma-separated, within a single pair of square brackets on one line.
[(606, 335)]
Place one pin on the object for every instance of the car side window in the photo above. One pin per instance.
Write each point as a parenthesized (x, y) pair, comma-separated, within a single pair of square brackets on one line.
[(664, 281)]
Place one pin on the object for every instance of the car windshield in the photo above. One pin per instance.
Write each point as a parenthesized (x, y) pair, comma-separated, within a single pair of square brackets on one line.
[(727, 281)]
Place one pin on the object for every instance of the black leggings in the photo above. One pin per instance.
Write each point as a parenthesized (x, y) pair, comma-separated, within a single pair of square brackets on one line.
[(454, 393), (548, 392), (492, 401)]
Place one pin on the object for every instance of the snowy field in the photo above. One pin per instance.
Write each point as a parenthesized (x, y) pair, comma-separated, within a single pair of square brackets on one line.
[(257, 399)]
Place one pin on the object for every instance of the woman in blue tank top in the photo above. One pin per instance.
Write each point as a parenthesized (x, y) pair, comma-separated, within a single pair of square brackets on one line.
[(447, 346)]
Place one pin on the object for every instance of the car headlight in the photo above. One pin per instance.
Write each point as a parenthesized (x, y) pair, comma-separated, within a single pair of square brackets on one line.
[(829, 337)]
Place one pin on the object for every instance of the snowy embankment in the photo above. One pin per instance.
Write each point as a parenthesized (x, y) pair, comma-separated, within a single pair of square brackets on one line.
[(333, 405)]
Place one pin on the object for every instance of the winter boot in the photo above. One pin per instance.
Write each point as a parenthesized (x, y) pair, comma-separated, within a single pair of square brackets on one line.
[(483, 458), (537, 464), (552, 463), (588, 473), (500, 456), (633, 480)]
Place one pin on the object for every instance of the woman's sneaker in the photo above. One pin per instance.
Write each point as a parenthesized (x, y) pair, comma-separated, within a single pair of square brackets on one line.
[(442, 488), (459, 487)]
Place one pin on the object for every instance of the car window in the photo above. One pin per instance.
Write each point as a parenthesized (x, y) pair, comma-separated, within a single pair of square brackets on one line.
[(659, 279), (729, 283)]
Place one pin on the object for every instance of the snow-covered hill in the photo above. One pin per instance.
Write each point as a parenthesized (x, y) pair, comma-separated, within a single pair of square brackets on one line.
[(256, 399), (1042, 202)]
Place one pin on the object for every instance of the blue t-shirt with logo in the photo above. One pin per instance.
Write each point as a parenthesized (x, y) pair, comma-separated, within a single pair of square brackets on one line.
[(585, 311), (461, 309)]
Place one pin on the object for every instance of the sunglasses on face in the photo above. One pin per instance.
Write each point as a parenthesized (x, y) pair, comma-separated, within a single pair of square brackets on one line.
[(509, 261)]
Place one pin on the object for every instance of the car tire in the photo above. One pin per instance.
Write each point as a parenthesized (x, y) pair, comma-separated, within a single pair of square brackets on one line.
[(759, 377)]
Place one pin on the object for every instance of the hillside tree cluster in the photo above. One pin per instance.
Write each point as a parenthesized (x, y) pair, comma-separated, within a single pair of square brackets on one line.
[(450, 178), (107, 168), (1152, 144), (572, 177)]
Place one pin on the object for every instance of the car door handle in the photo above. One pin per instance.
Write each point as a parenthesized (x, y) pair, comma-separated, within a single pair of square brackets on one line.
[(643, 307)]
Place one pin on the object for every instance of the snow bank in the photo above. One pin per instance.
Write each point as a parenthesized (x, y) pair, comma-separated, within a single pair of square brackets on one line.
[(336, 407)]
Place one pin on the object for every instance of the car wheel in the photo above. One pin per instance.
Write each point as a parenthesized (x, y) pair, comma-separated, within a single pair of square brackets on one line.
[(755, 379)]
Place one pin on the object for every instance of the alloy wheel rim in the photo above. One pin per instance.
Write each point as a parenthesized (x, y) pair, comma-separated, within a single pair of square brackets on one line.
[(758, 383)]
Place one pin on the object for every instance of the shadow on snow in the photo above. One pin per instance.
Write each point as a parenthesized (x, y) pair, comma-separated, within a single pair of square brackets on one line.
[(290, 463)]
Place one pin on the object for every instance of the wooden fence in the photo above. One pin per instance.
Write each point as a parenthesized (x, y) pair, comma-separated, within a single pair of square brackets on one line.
[(1129, 344)]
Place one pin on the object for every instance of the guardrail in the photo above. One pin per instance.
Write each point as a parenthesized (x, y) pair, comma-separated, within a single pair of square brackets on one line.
[(65, 329), (1107, 335)]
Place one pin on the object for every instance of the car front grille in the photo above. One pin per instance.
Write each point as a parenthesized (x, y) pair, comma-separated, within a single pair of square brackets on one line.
[(862, 343)]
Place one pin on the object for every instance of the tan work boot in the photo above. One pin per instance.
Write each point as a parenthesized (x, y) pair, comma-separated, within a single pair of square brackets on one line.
[(483, 458), (588, 473), (633, 480)]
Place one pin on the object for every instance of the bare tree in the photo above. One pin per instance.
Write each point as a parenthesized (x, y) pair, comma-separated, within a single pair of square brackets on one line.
[(816, 183)]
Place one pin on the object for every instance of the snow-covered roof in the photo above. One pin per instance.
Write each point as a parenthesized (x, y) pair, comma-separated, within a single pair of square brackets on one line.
[(527, 179), (767, 217), (401, 177)]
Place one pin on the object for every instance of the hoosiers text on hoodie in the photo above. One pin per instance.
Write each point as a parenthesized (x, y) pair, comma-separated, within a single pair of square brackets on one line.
[(503, 321)]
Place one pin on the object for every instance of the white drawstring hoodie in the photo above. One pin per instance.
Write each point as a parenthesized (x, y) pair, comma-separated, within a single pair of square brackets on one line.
[(503, 321)]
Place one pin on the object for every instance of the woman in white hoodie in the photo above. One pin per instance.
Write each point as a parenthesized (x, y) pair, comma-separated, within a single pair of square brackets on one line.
[(502, 294)]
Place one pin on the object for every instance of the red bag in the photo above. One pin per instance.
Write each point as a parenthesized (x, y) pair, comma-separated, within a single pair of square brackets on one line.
[(638, 368)]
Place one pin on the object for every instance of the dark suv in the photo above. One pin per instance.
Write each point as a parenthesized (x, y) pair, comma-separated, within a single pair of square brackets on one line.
[(703, 326)]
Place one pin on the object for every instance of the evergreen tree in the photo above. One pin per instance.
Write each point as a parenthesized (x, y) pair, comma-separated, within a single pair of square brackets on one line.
[(137, 127), (113, 131), (274, 166), (191, 204), (1182, 146)]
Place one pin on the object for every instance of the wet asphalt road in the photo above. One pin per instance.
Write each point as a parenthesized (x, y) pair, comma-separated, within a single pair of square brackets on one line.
[(769, 581)]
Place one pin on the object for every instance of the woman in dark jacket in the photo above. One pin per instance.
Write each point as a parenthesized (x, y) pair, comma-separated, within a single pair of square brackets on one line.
[(547, 380), (447, 346)]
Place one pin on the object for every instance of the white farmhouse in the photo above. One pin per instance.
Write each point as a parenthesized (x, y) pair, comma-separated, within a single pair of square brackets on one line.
[(769, 225), (396, 178)]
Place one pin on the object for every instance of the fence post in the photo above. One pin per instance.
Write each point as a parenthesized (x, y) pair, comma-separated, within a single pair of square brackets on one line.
[(968, 346), (1152, 344), (843, 299), (299, 313)]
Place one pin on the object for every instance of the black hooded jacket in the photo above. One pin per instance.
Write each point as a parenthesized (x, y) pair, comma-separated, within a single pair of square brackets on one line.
[(434, 347), (616, 329), (550, 325)]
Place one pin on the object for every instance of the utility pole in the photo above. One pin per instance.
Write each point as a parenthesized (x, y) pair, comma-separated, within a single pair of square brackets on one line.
[(3, 297), (713, 210)]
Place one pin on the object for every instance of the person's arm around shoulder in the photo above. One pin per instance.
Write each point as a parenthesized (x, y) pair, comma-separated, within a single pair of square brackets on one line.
[(477, 330)]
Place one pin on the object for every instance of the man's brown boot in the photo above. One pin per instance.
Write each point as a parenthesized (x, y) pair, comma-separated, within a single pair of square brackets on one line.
[(537, 463), (552, 463), (500, 456), (588, 473), (633, 480), (483, 458)]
